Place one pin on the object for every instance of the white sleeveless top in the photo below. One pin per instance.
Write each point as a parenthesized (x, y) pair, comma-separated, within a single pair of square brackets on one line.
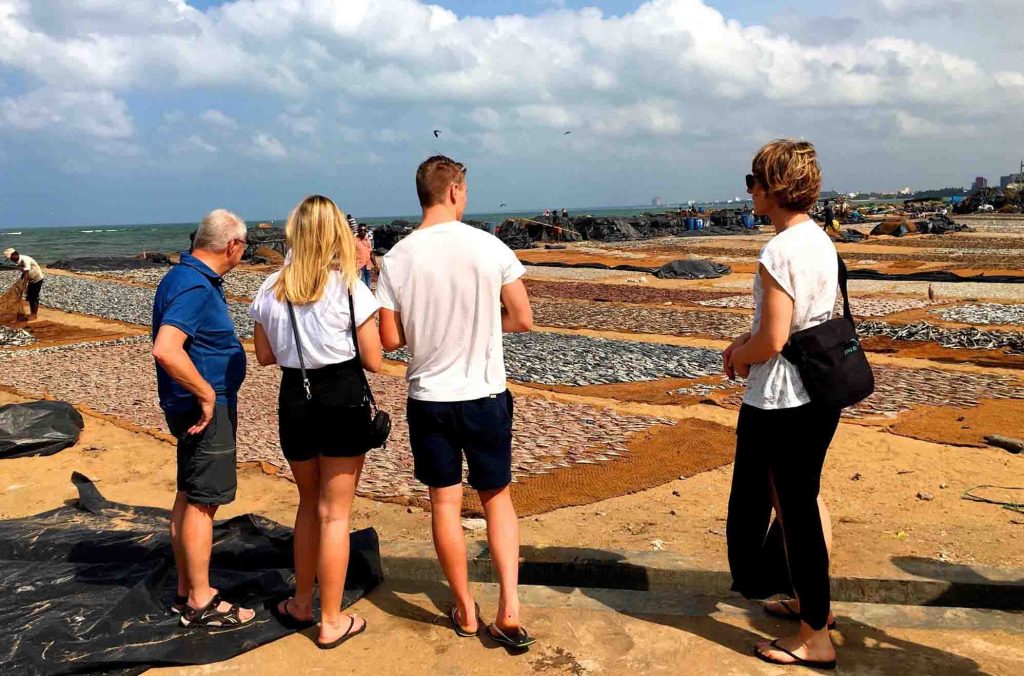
[(802, 259)]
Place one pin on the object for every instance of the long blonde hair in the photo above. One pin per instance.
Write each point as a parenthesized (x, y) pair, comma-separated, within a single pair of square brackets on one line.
[(320, 241)]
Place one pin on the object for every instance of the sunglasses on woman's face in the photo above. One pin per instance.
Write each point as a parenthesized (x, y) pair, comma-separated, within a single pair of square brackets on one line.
[(751, 181)]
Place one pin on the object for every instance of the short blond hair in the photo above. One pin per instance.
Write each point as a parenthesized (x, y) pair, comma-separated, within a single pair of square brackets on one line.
[(434, 176), (320, 241), (789, 171)]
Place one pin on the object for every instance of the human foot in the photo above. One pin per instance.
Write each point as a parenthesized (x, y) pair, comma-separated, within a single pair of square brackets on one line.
[(294, 614), (813, 649), (334, 634), (468, 628)]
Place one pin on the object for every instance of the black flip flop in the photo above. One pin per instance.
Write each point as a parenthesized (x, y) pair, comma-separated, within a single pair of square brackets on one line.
[(459, 631), (521, 640), (344, 637), (790, 614), (289, 620), (179, 603), (798, 661)]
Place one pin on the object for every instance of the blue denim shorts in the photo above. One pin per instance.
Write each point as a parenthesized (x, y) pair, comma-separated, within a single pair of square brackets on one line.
[(440, 433)]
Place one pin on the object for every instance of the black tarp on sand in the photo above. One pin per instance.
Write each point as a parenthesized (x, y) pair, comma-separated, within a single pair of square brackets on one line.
[(87, 588), (38, 428)]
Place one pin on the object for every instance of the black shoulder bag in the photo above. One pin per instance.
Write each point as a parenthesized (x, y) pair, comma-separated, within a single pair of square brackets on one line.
[(832, 364), (378, 422)]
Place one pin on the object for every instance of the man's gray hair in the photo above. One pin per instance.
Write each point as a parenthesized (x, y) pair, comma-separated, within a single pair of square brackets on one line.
[(217, 228)]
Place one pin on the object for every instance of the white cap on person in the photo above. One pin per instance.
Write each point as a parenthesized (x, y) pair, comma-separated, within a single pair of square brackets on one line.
[(8, 252)]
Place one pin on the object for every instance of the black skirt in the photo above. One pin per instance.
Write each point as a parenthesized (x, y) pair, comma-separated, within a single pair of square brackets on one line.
[(333, 423)]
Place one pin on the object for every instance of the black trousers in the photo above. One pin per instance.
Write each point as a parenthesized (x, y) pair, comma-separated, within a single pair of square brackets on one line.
[(785, 448), (32, 295)]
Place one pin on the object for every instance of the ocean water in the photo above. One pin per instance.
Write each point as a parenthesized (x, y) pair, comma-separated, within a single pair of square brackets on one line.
[(47, 245)]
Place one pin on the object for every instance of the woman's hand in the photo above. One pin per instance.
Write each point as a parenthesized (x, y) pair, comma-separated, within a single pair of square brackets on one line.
[(738, 367), (728, 352)]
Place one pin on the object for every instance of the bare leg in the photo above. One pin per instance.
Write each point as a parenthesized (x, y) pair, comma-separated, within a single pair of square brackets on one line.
[(807, 643), (503, 538), (307, 538), (196, 543), (450, 544), (338, 480), (177, 516)]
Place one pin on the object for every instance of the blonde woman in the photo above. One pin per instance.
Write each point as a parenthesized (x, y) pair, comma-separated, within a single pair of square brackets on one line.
[(782, 435), (322, 415)]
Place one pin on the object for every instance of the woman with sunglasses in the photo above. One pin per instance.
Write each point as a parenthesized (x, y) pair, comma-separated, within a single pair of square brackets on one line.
[(782, 436)]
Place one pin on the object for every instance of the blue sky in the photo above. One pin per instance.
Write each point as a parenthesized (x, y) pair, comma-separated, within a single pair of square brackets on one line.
[(158, 110)]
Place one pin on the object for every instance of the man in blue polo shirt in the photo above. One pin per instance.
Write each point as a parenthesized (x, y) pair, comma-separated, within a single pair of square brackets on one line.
[(200, 366)]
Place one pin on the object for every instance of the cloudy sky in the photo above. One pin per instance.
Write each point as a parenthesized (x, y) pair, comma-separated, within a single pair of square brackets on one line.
[(158, 110)]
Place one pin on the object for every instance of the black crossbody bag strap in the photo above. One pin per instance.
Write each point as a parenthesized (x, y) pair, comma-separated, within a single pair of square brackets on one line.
[(298, 346), (842, 287), (359, 363)]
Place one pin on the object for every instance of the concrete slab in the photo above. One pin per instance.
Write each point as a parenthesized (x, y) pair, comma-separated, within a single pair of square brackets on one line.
[(919, 582), (583, 632)]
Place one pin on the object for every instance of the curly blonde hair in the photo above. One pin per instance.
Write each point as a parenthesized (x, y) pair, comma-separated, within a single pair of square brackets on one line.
[(789, 171)]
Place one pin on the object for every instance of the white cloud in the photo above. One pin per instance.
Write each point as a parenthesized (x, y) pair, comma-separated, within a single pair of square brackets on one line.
[(192, 144), (218, 118), (97, 115), (266, 145)]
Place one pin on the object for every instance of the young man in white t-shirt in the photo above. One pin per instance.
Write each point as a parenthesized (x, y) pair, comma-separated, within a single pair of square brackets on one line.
[(449, 291)]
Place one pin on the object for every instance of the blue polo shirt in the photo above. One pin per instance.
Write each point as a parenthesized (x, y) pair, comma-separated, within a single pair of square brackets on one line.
[(191, 298)]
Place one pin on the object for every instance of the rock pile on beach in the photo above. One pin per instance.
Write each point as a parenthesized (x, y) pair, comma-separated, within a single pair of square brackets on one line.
[(983, 313), (969, 339)]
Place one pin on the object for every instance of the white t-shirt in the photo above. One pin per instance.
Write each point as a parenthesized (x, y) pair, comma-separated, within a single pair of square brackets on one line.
[(445, 281), (802, 259), (325, 326), (28, 263)]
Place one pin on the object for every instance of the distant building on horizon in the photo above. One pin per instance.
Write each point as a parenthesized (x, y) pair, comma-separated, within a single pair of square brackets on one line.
[(656, 202), (1006, 181), (980, 183), (905, 191)]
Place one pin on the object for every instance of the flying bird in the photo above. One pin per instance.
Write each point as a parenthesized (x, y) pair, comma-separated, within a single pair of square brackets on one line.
[(437, 132), (502, 205), (566, 133)]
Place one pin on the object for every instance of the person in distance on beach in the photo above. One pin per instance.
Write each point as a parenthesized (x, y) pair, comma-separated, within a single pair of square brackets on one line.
[(323, 428), (200, 366), (449, 290), (783, 436), (31, 273), (364, 255)]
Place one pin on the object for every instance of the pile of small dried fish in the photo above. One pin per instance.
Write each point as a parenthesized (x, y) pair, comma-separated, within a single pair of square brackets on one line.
[(968, 339)]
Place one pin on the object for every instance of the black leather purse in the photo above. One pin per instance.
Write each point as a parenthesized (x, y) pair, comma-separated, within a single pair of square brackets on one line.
[(829, 356), (378, 422)]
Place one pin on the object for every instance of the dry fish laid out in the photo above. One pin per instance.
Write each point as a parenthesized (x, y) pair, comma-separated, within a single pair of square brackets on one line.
[(983, 313), (111, 300), (968, 339), (560, 359), (861, 307), (237, 283), (15, 337), (662, 321), (899, 389), (118, 379)]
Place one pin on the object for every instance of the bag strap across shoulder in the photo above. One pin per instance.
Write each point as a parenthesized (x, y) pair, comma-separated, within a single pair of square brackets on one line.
[(842, 287), (355, 341), (298, 347)]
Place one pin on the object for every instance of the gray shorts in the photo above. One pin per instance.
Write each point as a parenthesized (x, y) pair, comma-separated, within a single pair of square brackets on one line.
[(206, 461)]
